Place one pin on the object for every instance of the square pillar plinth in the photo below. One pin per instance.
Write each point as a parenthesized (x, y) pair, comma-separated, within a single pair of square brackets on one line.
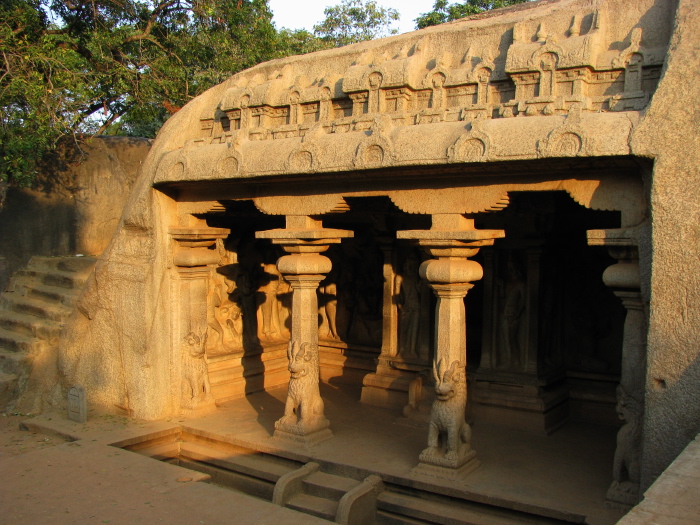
[(531, 408)]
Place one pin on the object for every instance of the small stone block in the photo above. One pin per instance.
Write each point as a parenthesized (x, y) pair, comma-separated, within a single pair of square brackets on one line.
[(450, 474), (77, 404), (310, 439)]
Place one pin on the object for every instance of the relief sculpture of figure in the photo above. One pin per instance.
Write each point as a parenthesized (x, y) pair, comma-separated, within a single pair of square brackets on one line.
[(247, 297), (328, 307), (284, 307), (449, 435), (513, 297), (626, 464), (303, 411), (196, 388), (224, 317), (269, 309), (407, 288)]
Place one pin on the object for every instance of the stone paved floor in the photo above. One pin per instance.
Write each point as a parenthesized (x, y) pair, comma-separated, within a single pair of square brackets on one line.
[(89, 482), (569, 470)]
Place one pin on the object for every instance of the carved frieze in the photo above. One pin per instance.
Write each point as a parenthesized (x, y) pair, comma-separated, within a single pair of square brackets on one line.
[(578, 62)]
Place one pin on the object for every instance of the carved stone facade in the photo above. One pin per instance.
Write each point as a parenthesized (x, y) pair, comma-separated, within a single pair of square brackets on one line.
[(327, 218)]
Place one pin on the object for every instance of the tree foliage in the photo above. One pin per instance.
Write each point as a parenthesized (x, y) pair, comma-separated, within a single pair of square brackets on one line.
[(72, 67), (69, 66), (445, 12), (354, 21)]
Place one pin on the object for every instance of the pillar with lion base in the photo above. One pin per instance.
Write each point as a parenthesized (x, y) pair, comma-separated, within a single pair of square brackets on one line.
[(450, 242), (624, 280), (304, 239), (194, 257)]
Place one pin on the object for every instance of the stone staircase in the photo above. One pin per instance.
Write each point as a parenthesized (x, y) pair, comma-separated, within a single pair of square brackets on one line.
[(33, 308), (329, 491)]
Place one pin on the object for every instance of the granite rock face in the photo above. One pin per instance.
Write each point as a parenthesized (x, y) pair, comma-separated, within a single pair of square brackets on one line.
[(407, 153)]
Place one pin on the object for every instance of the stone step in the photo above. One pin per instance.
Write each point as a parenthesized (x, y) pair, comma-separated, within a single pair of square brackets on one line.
[(387, 518), (254, 465), (15, 363), (403, 505), (252, 486), (315, 506), (80, 265), (31, 276), (30, 325), (19, 343), (36, 307), (328, 486), (42, 292)]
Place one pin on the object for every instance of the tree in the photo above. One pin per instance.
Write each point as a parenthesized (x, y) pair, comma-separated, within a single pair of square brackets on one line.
[(445, 12), (354, 21), (68, 66)]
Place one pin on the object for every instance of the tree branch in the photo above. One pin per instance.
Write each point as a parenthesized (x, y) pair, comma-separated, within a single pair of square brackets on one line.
[(112, 118)]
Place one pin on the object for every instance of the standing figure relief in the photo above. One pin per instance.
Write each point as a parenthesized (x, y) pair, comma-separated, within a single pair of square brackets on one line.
[(268, 304), (224, 316), (303, 410), (196, 388), (513, 296), (449, 434), (247, 298), (407, 290), (329, 310)]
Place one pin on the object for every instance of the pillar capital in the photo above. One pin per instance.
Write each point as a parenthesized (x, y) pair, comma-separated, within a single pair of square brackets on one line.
[(622, 246), (451, 235), (304, 234), (192, 246)]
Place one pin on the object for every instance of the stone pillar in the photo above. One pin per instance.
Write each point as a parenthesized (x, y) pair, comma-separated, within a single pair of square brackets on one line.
[(304, 239), (194, 257), (624, 280), (451, 240)]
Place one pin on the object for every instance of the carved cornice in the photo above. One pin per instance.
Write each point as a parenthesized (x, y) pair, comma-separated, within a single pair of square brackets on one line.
[(351, 109)]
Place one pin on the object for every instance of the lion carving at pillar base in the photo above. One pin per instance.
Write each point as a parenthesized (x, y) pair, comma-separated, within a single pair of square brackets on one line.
[(449, 435), (303, 410)]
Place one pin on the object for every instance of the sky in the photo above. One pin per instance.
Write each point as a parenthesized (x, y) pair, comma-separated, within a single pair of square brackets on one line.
[(304, 14)]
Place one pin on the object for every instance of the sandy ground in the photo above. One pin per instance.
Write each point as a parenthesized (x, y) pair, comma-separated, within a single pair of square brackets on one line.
[(15, 441)]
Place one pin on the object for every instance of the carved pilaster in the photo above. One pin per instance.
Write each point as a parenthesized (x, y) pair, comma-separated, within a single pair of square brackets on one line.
[(397, 383), (194, 256), (451, 240), (304, 239), (519, 382), (624, 280)]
